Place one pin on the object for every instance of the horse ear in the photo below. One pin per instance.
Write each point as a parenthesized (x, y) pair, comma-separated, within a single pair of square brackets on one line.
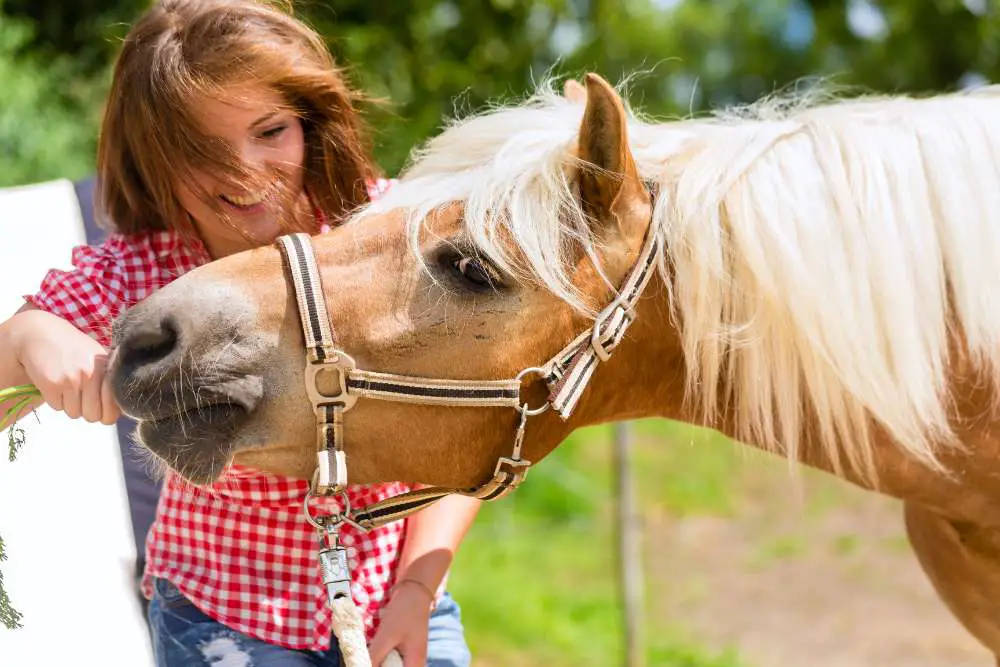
[(574, 91), (609, 168)]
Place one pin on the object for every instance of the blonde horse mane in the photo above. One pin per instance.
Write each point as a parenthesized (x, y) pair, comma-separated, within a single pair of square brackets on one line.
[(823, 256)]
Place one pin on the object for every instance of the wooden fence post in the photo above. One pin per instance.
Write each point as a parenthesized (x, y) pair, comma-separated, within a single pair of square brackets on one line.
[(629, 549)]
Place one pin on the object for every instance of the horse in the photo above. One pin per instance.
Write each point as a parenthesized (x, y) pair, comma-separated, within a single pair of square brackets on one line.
[(815, 276)]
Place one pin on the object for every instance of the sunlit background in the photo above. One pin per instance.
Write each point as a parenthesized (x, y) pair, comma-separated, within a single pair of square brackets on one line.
[(739, 563)]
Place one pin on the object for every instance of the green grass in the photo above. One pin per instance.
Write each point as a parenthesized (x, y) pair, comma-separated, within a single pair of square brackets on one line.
[(781, 547), (686, 470), (537, 576)]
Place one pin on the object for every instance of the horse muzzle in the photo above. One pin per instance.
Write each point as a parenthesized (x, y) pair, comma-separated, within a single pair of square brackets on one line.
[(183, 375)]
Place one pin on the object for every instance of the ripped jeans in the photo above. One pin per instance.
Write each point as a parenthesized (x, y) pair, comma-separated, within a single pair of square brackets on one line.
[(184, 636)]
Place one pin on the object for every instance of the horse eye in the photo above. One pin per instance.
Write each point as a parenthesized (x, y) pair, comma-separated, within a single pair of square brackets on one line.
[(476, 272)]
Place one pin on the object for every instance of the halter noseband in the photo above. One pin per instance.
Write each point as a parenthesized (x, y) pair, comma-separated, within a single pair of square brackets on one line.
[(566, 375)]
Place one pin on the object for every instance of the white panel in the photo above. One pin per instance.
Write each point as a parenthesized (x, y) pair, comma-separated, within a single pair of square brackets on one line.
[(63, 509)]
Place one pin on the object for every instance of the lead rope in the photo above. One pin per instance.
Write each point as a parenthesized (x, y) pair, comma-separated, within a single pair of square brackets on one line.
[(347, 624)]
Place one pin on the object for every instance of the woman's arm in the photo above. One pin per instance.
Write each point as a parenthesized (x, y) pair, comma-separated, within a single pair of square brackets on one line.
[(432, 538), (11, 371)]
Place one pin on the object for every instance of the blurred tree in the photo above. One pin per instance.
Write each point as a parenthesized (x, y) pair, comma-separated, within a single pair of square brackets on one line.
[(427, 54), (87, 30), (432, 59), (46, 121)]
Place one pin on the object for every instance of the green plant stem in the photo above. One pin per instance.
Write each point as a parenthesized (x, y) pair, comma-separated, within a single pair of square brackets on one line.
[(21, 396)]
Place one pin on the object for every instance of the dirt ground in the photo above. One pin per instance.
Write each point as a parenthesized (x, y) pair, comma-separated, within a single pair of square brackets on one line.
[(824, 581)]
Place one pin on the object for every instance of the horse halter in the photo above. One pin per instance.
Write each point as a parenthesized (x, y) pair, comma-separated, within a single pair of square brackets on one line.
[(566, 375)]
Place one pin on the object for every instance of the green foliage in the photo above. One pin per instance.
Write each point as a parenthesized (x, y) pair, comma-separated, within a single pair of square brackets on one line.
[(48, 121), (9, 617), (87, 30), (682, 655), (434, 59), (430, 58), (438, 58), (687, 470)]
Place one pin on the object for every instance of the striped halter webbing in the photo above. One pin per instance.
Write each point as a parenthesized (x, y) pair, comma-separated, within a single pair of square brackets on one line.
[(566, 375)]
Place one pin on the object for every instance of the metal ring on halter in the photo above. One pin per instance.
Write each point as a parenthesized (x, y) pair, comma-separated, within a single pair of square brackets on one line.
[(542, 373), (321, 522)]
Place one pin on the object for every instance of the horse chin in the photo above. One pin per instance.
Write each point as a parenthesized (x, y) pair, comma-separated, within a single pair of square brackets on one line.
[(198, 443)]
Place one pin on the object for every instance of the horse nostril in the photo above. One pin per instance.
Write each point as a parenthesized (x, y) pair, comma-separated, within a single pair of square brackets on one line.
[(150, 344)]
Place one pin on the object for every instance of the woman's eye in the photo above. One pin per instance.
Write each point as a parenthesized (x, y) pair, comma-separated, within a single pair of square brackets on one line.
[(475, 272), (274, 132)]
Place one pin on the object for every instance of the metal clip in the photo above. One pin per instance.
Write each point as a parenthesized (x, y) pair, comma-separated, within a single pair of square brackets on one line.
[(514, 466), (333, 563)]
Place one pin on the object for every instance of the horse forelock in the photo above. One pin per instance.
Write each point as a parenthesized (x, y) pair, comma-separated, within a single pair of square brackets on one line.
[(822, 252)]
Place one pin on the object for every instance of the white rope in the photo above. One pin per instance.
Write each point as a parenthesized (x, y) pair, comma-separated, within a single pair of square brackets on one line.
[(350, 633)]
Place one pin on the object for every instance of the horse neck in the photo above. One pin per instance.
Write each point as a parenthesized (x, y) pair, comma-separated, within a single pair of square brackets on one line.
[(646, 378)]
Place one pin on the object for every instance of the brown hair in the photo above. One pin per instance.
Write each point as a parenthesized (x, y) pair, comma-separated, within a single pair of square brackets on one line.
[(181, 49)]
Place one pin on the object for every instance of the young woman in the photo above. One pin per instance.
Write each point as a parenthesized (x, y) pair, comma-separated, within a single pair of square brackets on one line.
[(228, 124)]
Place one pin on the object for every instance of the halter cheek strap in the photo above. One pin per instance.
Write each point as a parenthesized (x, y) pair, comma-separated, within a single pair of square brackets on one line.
[(571, 369), (567, 376), (324, 358)]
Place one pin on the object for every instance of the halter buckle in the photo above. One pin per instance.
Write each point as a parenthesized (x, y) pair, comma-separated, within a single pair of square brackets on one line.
[(515, 470), (601, 350), (340, 363), (514, 465)]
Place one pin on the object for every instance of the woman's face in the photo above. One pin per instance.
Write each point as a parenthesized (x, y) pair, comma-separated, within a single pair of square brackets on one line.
[(268, 138)]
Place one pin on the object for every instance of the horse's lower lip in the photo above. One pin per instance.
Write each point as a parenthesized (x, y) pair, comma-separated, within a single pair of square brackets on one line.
[(196, 442)]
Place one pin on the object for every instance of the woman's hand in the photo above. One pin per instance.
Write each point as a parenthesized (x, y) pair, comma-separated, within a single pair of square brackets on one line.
[(404, 624), (66, 365)]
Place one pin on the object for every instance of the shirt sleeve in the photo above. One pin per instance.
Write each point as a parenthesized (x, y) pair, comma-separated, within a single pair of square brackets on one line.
[(90, 294)]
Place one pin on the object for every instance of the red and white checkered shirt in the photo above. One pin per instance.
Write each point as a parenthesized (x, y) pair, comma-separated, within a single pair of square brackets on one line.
[(241, 548)]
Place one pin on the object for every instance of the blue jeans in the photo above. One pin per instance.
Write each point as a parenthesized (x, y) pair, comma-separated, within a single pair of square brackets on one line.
[(183, 636)]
